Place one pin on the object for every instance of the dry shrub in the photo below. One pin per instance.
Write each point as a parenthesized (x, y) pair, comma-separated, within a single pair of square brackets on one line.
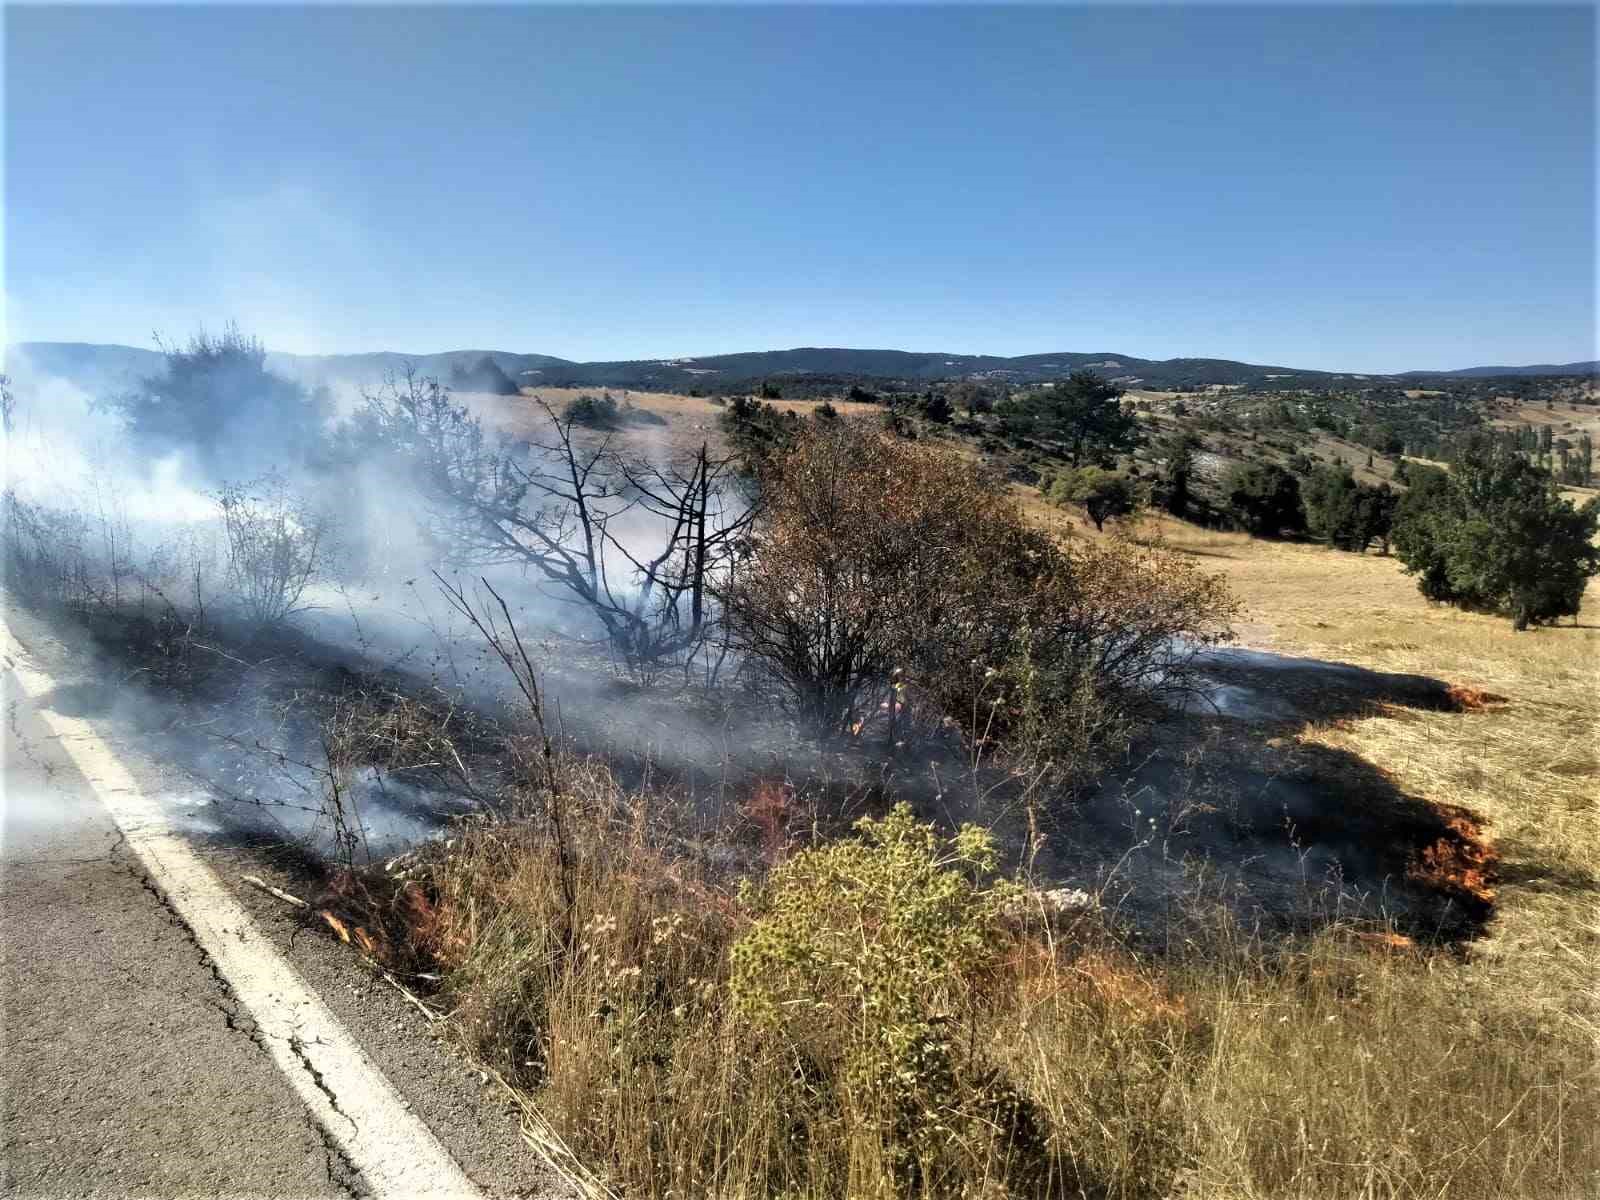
[(864, 542), (1059, 1062), (276, 546), (371, 725), (45, 552), (1064, 651), (882, 562)]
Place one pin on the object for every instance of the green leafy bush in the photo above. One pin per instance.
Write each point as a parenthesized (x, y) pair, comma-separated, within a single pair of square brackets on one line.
[(1103, 494), (868, 957), (603, 412)]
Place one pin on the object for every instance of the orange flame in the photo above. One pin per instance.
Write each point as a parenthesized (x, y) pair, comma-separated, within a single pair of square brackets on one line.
[(1459, 861)]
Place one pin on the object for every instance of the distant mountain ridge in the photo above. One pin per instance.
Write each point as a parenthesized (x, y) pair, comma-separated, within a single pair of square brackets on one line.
[(100, 367), (1575, 368)]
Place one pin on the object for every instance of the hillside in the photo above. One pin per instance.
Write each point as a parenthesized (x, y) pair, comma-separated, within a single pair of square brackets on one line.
[(1573, 368), (99, 367)]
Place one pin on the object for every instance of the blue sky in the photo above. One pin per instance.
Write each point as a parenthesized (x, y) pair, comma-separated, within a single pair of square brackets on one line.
[(1364, 188)]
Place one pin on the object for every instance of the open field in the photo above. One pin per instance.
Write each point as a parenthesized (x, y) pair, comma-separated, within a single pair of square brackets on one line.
[(688, 420), (1531, 767)]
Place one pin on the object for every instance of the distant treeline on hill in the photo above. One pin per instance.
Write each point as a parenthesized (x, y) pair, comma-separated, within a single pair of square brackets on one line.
[(799, 372)]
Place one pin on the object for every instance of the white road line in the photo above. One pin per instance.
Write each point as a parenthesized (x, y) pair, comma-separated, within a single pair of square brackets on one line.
[(397, 1154)]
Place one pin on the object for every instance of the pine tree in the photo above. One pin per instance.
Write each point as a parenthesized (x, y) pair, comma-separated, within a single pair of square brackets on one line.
[(1494, 534)]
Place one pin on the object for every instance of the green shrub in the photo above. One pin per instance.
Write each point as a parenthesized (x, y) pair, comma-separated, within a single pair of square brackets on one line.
[(1103, 494), (867, 956), (596, 412), (604, 412), (757, 431)]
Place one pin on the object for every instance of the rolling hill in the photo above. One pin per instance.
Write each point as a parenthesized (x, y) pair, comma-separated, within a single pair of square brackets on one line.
[(100, 368)]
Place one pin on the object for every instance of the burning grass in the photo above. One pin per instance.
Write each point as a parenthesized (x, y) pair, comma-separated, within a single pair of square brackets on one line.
[(1459, 862), (1224, 1062), (1470, 699), (1218, 1060)]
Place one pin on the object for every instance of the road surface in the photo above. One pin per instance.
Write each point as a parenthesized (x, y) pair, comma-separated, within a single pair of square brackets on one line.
[(167, 1032)]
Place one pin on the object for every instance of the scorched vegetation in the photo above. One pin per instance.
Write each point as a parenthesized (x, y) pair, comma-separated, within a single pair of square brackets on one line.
[(858, 953)]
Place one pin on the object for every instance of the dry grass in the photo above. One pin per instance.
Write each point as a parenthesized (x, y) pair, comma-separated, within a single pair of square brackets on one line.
[(1530, 767), (1569, 419), (1351, 1063), (1347, 1064), (689, 419)]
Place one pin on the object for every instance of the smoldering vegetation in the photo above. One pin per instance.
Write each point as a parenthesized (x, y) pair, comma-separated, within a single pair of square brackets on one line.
[(813, 826), (842, 619), (248, 555)]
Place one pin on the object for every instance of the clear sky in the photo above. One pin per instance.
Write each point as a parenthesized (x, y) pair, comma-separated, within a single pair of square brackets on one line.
[(1360, 188)]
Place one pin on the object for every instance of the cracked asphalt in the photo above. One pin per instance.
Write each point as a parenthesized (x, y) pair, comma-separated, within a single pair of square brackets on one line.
[(129, 1067)]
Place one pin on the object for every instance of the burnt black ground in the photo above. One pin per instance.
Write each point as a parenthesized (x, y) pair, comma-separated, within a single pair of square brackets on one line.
[(127, 1072), (1288, 836)]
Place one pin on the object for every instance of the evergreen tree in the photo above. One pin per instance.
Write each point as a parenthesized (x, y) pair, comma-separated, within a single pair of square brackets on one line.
[(1264, 499), (217, 401), (1172, 485), (1083, 414), (485, 375), (1494, 534), (936, 408)]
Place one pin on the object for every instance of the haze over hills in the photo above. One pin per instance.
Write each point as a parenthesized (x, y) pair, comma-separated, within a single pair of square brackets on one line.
[(98, 367)]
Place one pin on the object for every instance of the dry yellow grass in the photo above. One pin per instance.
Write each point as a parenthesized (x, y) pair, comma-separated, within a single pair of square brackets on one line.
[(689, 420), (1571, 419), (1530, 767), (1234, 1066)]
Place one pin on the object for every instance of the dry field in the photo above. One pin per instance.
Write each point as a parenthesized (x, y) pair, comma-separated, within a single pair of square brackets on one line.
[(689, 420), (1343, 1064), (1531, 767), (1568, 419)]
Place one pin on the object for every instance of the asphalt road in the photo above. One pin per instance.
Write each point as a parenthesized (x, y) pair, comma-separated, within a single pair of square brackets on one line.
[(132, 1063)]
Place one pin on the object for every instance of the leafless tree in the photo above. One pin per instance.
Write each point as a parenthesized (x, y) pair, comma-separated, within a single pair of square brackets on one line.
[(275, 546), (8, 404), (633, 540)]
